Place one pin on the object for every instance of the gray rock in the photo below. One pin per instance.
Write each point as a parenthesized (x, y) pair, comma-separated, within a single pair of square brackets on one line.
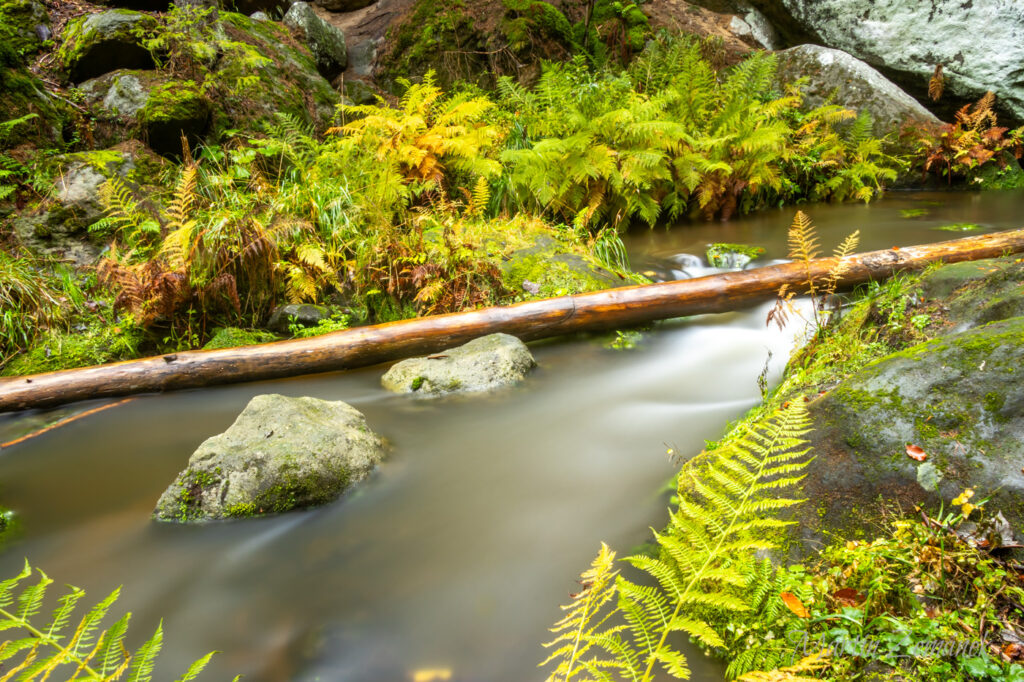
[(259, 16), (326, 42), (100, 43), (360, 92), (761, 29), (344, 5), (280, 454), (978, 42), (74, 203), (959, 397), (481, 365), (302, 314), (837, 77), (151, 105)]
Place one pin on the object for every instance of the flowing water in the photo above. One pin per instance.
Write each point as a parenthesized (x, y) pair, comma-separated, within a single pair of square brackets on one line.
[(456, 554)]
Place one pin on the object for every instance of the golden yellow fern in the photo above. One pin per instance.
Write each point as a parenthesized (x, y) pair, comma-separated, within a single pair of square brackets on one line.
[(793, 673)]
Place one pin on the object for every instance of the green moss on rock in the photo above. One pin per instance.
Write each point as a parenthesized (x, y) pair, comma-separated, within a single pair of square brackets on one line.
[(232, 337)]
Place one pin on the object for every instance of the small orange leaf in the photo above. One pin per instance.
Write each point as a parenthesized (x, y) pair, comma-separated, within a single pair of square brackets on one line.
[(916, 453), (794, 604), (848, 597)]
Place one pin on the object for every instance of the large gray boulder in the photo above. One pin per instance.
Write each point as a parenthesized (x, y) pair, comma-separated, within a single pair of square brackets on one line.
[(839, 78), (482, 364), (280, 454), (979, 42), (326, 42), (99, 43)]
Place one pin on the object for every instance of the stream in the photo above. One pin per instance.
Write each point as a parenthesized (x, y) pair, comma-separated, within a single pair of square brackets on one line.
[(457, 553)]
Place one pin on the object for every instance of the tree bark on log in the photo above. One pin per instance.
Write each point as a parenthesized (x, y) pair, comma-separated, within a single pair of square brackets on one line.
[(362, 346)]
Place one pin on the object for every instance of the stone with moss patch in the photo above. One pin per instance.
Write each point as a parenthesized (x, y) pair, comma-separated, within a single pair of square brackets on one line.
[(723, 255), (233, 337), (24, 27), (960, 397), (95, 344), (325, 41), (549, 267), (96, 44), (74, 203), (481, 365), (280, 454), (173, 110)]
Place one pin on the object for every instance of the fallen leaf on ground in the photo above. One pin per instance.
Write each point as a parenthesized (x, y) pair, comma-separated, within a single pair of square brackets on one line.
[(916, 453), (794, 604)]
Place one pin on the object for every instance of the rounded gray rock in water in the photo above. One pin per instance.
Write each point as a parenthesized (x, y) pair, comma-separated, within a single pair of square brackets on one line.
[(480, 365), (280, 454)]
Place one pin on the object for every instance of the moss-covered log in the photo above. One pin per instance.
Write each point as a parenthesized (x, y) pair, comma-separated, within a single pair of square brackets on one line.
[(532, 320)]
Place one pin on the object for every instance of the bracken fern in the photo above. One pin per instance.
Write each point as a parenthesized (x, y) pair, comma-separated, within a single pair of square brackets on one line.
[(616, 629), (86, 653)]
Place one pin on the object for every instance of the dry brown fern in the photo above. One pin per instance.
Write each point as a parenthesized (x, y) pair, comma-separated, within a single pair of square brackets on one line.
[(937, 84)]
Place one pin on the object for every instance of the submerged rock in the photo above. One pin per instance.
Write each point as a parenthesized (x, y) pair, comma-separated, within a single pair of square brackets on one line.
[(280, 454), (326, 42), (481, 365), (836, 77)]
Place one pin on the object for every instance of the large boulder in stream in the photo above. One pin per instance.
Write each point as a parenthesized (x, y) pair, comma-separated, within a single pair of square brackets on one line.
[(959, 397), (978, 42), (836, 77), (481, 365), (280, 454)]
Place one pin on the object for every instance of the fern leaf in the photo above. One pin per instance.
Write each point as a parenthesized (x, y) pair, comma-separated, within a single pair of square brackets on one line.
[(141, 669)]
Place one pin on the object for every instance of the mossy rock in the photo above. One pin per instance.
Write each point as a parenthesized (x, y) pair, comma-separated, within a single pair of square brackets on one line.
[(280, 454), (96, 44), (96, 344), (24, 29), (325, 41), (551, 268), (233, 337), (23, 93), (174, 110), (977, 292), (959, 397), (141, 5), (289, 82), (1007, 175), (483, 364), (74, 204)]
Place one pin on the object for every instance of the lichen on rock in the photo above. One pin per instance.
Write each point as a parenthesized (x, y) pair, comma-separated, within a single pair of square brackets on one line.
[(280, 454), (483, 364)]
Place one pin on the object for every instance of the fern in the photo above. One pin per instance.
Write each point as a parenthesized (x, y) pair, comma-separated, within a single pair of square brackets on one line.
[(936, 84), (792, 673), (85, 651), (728, 498)]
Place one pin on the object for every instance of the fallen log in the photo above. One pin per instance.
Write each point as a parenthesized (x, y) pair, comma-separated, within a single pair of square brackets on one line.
[(364, 346)]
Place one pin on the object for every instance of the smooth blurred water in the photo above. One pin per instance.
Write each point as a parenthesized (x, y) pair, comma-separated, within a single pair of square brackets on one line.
[(457, 553)]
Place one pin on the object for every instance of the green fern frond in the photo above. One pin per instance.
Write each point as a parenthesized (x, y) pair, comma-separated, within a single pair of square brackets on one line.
[(89, 654), (726, 498)]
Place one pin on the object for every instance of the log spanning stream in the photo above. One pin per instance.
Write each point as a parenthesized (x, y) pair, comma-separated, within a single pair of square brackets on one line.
[(456, 554)]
